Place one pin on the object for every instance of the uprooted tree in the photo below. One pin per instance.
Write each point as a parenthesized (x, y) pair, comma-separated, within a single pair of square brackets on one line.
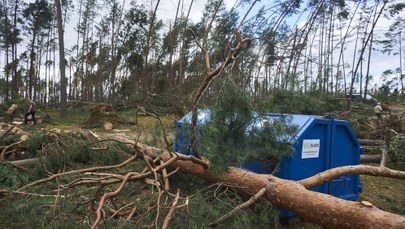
[(162, 164)]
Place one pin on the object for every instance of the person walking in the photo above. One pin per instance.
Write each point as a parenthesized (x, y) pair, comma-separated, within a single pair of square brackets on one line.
[(378, 110), (32, 108)]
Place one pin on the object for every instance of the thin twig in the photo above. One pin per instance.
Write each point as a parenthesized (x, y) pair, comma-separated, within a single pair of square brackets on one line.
[(131, 214), (251, 201), (121, 209), (54, 176), (5, 191)]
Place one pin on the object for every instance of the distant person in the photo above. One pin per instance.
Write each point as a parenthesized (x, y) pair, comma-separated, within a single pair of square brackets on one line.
[(378, 110), (32, 108)]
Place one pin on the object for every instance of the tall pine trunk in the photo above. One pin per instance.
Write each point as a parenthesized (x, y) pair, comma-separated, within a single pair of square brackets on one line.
[(62, 62)]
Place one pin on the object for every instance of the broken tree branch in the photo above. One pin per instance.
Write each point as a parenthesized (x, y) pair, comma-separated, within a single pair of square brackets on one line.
[(107, 195), (172, 210), (228, 215), (331, 174), (6, 131), (383, 156), (206, 53), (54, 176), (232, 55)]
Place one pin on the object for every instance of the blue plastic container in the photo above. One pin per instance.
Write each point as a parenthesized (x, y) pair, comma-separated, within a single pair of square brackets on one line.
[(319, 143)]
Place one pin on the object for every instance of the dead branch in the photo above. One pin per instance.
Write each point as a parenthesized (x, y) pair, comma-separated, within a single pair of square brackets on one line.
[(6, 192), (232, 55), (206, 53), (6, 131), (155, 222), (331, 174), (24, 163), (148, 161), (121, 209), (143, 215), (156, 152), (15, 166), (132, 213), (238, 208), (172, 172), (165, 178), (54, 176), (172, 210), (110, 194), (108, 175), (85, 181), (383, 156), (3, 153)]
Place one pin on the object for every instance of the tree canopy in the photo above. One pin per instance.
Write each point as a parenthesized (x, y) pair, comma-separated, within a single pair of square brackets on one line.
[(128, 50)]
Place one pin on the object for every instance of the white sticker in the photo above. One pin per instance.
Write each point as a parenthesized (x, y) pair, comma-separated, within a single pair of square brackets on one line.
[(310, 148)]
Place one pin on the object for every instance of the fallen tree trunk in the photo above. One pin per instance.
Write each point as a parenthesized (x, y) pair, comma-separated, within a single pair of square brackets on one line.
[(319, 208), (371, 142), (26, 163), (370, 158), (10, 111)]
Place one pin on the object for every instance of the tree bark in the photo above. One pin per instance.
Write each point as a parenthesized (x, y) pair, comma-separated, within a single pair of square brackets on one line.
[(370, 158), (371, 142), (322, 209), (62, 62)]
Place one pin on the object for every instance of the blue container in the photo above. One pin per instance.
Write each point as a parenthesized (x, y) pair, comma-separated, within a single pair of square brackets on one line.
[(319, 144)]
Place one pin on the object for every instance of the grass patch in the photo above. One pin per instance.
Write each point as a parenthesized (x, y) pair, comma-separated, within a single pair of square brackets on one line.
[(76, 117), (72, 121), (385, 193)]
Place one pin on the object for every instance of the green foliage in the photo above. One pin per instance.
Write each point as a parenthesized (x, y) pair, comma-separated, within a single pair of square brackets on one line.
[(26, 212), (8, 139), (235, 134), (46, 211), (396, 154), (9, 177), (71, 150), (213, 202), (36, 141), (283, 101)]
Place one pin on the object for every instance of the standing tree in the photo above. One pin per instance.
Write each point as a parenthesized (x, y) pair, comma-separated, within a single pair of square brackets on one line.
[(38, 17), (5, 29), (393, 45), (62, 61)]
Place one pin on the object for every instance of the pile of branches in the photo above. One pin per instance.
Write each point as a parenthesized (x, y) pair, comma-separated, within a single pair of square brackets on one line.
[(83, 180)]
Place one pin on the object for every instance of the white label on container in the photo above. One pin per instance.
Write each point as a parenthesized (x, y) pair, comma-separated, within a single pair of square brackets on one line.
[(310, 148)]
